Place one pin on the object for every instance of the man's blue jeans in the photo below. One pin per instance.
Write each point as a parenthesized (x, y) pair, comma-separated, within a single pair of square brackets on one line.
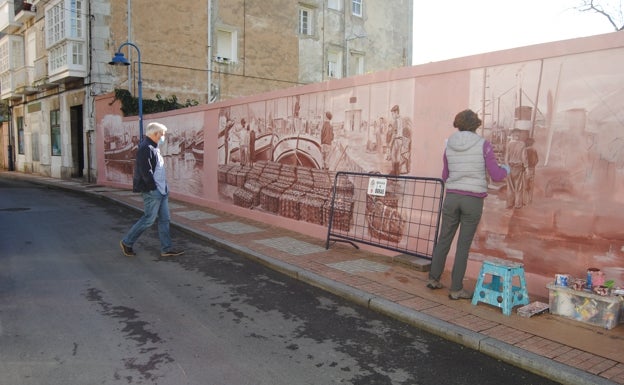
[(155, 205)]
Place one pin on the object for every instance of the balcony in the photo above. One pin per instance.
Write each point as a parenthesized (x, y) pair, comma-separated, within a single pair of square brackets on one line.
[(8, 23), (23, 81), (24, 11), (66, 61), (11, 60), (41, 80), (7, 86)]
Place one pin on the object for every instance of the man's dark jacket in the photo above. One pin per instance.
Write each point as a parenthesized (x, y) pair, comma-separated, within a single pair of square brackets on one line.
[(146, 160)]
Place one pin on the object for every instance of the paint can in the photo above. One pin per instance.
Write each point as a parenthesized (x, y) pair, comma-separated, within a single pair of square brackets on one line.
[(561, 279), (598, 278), (591, 272)]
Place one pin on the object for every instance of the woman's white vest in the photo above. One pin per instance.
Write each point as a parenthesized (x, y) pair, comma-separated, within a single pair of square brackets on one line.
[(466, 163)]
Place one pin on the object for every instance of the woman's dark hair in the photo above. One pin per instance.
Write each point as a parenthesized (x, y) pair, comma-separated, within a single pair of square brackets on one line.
[(467, 120)]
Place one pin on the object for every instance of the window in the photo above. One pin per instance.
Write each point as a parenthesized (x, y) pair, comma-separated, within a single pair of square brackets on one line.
[(20, 135), (356, 7), (334, 69), (65, 34), (77, 53), (62, 25), (34, 144), (55, 24), (75, 19), (4, 56), (226, 45), (57, 57), (55, 131), (305, 21), (334, 4), (359, 64)]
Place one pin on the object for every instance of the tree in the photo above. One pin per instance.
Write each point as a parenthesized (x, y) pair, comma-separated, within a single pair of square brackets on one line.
[(612, 10)]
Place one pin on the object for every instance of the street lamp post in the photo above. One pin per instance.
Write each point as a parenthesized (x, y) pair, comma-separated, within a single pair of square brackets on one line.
[(120, 59)]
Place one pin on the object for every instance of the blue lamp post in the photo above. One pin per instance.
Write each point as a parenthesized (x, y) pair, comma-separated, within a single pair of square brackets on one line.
[(120, 59)]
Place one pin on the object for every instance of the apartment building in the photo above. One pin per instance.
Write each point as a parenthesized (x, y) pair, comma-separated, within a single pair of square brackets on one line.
[(54, 57)]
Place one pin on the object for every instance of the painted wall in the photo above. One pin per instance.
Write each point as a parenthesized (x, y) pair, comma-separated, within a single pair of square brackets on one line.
[(554, 111)]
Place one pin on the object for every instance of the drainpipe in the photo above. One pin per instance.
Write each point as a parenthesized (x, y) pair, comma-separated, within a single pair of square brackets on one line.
[(131, 39), (11, 147), (89, 156), (209, 27)]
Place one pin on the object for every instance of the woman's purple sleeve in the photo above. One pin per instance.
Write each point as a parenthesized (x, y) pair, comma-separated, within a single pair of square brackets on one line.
[(497, 173)]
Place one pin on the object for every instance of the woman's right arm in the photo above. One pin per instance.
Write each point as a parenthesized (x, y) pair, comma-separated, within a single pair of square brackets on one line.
[(497, 173)]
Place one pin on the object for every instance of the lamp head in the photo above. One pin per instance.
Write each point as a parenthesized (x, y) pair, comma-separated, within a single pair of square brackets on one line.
[(119, 59)]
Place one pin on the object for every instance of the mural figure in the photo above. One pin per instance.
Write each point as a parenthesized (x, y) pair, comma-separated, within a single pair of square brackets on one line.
[(396, 146), (244, 143), (252, 145), (327, 137), (400, 143), (516, 158), (381, 135), (529, 176)]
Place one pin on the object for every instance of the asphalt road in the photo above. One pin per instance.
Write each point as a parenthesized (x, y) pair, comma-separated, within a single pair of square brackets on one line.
[(75, 311)]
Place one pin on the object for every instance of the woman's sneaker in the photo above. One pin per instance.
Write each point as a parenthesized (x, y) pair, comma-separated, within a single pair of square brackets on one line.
[(434, 284), (461, 294)]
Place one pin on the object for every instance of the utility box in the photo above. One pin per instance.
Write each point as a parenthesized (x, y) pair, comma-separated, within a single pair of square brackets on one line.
[(585, 306)]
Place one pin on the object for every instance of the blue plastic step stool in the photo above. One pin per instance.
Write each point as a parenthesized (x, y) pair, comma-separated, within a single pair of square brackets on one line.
[(500, 291)]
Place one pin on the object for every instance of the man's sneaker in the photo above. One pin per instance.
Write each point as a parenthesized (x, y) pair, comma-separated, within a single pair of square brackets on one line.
[(461, 294), (126, 250), (434, 284), (172, 253)]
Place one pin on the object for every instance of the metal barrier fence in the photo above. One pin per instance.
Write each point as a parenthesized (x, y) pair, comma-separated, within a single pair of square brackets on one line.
[(399, 213)]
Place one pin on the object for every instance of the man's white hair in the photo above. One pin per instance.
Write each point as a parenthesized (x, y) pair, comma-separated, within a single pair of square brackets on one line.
[(155, 128)]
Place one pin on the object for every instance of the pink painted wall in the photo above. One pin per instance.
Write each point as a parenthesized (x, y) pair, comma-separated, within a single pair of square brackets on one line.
[(566, 97)]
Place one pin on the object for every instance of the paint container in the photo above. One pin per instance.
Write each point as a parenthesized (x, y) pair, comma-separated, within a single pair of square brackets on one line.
[(590, 275), (579, 284), (601, 290), (562, 279), (598, 278)]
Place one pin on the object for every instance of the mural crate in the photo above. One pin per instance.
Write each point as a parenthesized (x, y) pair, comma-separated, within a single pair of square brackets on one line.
[(385, 222), (584, 306), (311, 209), (343, 213), (289, 204), (243, 198), (270, 196), (222, 172), (254, 187)]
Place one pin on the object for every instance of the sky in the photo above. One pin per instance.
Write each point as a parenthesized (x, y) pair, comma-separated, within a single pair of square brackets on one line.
[(446, 29)]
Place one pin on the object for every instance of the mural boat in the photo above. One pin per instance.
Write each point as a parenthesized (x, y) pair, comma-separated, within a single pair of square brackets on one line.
[(119, 150), (300, 150)]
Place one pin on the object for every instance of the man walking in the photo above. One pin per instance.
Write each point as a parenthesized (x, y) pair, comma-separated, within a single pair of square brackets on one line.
[(150, 180)]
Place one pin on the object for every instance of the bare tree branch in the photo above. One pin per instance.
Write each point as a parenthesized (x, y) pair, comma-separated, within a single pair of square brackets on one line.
[(614, 16)]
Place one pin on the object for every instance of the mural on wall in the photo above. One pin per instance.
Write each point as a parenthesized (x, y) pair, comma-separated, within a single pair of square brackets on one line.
[(183, 151), (281, 155), (559, 124)]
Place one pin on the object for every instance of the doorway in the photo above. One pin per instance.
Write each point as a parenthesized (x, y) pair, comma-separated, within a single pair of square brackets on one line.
[(77, 136)]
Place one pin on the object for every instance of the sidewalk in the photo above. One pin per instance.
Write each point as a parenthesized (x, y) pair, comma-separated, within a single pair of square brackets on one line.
[(562, 350)]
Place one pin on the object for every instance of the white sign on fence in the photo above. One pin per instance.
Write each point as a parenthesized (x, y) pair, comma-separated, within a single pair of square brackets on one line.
[(377, 186)]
